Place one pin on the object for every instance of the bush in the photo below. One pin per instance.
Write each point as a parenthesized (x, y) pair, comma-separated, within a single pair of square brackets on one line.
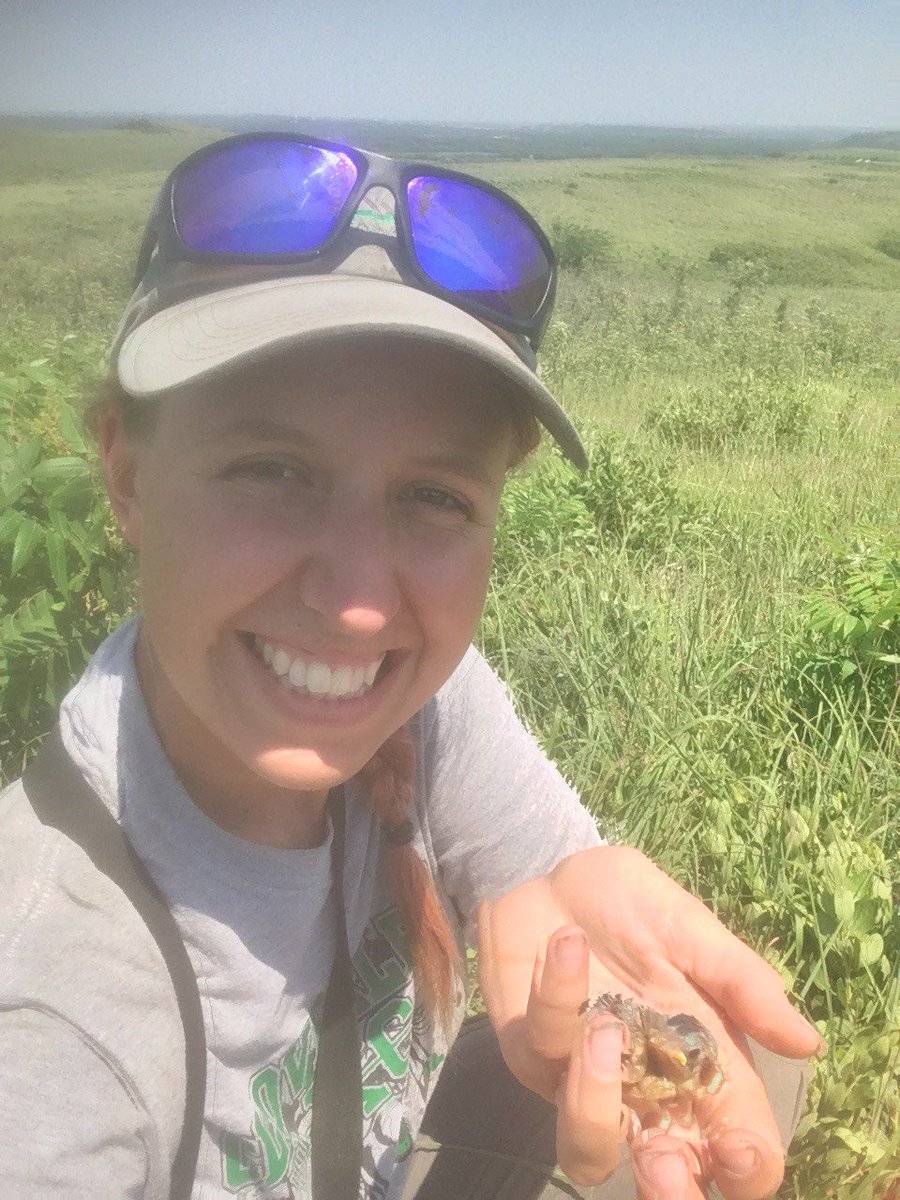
[(889, 244), (849, 647), (811, 264), (626, 499), (742, 408), (62, 560), (576, 246)]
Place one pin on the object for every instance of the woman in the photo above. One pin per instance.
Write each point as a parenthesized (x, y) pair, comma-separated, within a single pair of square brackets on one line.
[(323, 376)]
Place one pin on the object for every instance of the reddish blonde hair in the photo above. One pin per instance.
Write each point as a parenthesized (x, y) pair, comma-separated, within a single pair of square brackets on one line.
[(389, 778)]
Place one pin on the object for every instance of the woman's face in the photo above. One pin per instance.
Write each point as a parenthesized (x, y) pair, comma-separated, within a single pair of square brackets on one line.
[(324, 522)]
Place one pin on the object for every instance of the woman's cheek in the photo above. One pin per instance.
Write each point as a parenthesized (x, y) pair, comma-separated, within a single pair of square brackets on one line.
[(234, 543), (455, 577)]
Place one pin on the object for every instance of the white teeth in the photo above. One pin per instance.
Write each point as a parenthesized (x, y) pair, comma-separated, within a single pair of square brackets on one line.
[(297, 673), (318, 678), (341, 682)]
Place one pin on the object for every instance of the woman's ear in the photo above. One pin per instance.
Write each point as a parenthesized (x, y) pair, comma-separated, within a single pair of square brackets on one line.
[(118, 456)]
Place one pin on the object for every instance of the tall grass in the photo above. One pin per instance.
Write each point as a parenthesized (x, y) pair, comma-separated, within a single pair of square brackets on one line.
[(704, 632)]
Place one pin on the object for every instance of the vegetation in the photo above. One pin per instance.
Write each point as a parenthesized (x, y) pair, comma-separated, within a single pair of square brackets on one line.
[(703, 630)]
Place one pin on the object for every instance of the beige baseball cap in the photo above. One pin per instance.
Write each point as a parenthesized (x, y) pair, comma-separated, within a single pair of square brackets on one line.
[(190, 321)]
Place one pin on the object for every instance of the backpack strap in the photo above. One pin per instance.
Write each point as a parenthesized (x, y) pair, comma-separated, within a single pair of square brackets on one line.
[(62, 798), (337, 1129)]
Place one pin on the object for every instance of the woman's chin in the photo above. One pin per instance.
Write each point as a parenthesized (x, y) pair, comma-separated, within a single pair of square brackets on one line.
[(303, 770)]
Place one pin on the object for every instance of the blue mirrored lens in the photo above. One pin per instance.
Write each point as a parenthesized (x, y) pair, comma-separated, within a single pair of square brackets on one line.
[(473, 244), (275, 197)]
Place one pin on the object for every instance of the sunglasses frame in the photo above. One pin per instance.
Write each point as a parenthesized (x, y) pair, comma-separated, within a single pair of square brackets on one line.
[(373, 170)]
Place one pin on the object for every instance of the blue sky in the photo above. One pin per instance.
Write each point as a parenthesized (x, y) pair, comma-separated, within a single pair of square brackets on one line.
[(662, 62)]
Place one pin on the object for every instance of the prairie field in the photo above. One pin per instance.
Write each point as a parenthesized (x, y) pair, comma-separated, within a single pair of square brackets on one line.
[(703, 630)]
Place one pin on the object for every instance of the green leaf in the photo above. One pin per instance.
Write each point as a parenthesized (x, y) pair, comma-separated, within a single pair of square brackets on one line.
[(71, 430), (28, 453), (871, 946), (850, 1139), (75, 497), (833, 1099), (52, 473), (56, 558), (837, 1160), (848, 668), (108, 587), (844, 904), (15, 483), (9, 526), (874, 1153), (27, 539)]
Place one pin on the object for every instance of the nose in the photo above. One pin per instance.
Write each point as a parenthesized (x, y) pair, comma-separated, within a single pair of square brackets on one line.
[(351, 576)]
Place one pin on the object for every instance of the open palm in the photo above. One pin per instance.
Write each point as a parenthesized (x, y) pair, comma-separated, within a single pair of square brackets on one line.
[(608, 920)]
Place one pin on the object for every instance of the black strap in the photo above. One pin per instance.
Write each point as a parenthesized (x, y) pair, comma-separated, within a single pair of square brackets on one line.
[(337, 1087), (62, 798)]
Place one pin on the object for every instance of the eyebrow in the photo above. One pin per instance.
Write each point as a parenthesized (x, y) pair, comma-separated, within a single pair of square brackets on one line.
[(260, 429), (267, 429), (457, 464)]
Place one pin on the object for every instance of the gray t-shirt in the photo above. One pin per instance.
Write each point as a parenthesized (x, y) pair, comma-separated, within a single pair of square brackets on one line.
[(86, 1108)]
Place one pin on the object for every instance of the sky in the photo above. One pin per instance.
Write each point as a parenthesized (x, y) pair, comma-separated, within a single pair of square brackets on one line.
[(645, 62)]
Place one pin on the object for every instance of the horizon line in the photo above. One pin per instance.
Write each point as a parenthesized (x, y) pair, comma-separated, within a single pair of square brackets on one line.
[(445, 123)]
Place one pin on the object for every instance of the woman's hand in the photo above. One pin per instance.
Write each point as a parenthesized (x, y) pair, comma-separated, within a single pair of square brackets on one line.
[(608, 920)]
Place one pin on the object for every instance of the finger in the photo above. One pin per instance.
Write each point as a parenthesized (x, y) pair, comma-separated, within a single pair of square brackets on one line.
[(666, 1168), (590, 1114), (744, 985), (745, 1167), (509, 931), (509, 973), (559, 987), (745, 1152)]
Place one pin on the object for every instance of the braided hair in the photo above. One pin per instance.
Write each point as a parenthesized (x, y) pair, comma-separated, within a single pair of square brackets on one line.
[(388, 778)]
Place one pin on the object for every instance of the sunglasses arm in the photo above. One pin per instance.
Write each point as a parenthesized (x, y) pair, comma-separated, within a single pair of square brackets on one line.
[(149, 241)]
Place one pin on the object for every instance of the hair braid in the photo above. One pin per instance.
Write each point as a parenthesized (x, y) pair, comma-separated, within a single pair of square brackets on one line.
[(389, 777)]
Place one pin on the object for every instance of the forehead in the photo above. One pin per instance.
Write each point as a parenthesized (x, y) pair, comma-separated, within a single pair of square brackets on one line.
[(395, 390)]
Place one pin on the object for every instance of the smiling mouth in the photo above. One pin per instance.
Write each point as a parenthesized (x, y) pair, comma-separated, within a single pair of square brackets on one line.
[(312, 677)]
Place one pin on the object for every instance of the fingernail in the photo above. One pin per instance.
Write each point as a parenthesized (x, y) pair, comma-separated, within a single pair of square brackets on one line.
[(629, 1124), (666, 1172), (605, 1050), (568, 954), (738, 1157), (810, 1028)]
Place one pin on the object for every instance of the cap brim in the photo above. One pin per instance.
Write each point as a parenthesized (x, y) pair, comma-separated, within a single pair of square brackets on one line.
[(207, 334)]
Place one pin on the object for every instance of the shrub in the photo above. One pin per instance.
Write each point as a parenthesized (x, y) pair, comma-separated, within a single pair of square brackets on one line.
[(849, 646), (812, 264), (889, 244), (626, 499), (62, 559), (576, 246), (742, 408)]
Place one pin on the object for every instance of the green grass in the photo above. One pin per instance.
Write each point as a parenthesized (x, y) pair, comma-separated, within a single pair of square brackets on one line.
[(704, 631), (824, 217)]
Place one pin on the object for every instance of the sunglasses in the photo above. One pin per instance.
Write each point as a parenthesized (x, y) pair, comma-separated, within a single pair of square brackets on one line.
[(281, 198)]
